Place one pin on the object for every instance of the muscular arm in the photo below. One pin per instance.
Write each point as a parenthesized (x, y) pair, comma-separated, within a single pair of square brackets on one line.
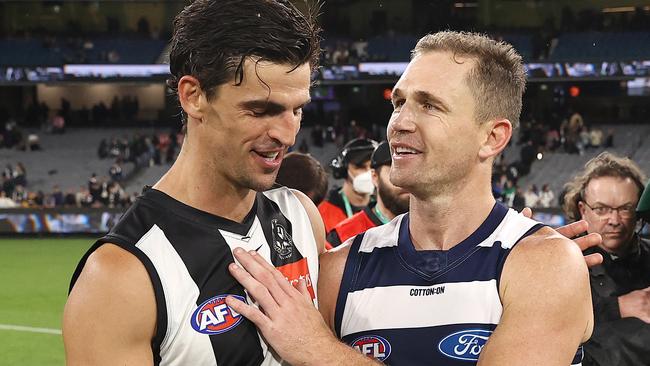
[(110, 315), (546, 304), (317, 225), (332, 264)]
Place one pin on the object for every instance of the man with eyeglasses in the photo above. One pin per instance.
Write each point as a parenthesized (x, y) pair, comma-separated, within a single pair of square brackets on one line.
[(606, 194)]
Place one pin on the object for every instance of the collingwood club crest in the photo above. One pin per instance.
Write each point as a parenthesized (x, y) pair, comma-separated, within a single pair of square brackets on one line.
[(282, 242)]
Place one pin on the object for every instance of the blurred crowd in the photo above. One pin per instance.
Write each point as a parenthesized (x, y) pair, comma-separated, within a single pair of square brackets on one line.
[(98, 192)]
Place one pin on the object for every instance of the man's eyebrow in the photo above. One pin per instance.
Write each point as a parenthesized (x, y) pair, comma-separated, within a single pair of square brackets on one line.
[(598, 203), (422, 96), (261, 105), (266, 105)]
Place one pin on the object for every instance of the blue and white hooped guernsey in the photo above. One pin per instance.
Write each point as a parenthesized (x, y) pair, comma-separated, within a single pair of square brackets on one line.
[(434, 307)]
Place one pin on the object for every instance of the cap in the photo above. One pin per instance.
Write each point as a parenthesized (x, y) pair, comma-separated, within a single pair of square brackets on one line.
[(643, 208), (381, 156)]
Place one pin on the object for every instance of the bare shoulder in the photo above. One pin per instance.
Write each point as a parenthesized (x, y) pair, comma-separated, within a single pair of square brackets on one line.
[(314, 216), (545, 257), (547, 272), (332, 265), (113, 293), (547, 244)]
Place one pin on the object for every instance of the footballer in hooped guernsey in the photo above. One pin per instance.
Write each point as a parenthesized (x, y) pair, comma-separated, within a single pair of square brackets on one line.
[(458, 280)]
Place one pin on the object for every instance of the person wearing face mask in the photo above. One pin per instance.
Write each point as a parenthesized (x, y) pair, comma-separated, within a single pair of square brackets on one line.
[(353, 165), (607, 194), (391, 201)]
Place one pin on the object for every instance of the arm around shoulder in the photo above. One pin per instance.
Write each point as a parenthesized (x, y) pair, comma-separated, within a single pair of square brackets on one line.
[(547, 310), (110, 315)]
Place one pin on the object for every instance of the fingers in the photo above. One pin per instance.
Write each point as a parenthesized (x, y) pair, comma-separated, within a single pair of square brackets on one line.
[(527, 212), (573, 229), (593, 259), (302, 288), (262, 279), (255, 289), (250, 312), (278, 277), (588, 241)]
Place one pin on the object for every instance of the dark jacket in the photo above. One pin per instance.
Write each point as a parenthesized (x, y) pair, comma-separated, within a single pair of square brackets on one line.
[(618, 341)]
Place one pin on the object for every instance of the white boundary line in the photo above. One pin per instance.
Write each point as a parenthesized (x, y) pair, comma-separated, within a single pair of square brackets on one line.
[(22, 328)]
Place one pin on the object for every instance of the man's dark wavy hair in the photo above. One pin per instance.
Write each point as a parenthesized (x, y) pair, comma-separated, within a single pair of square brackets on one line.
[(212, 38)]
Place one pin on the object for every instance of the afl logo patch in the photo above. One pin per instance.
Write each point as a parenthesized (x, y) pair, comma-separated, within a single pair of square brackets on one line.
[(372, 346), (214, 316), (464, 345), (282, 242)]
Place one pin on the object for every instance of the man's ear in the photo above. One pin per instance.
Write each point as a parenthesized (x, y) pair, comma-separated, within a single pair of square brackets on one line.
[(582, 209), (189, 95), (375, 176), (498, 133)]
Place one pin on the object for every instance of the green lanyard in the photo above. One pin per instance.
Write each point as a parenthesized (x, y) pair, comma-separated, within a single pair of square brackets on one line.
[(346, 202), (381, 216)]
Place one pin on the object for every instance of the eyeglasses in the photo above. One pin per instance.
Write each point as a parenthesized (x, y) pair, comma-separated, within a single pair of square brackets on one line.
[(625, 211)]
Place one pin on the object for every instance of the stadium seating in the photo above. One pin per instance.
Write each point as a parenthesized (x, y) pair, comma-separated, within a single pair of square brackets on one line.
[(602, 46), (34, 52), (67, 160), (557, 168)]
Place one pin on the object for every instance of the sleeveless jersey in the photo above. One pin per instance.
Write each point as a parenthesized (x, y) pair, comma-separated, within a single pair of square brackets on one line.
[(186, 253), (408, 307)]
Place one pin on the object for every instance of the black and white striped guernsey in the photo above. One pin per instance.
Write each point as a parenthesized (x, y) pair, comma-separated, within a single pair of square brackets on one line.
[(186, 253), (408, 307)]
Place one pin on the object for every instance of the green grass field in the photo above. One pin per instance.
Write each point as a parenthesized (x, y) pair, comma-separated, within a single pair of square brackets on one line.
[(34, 278)]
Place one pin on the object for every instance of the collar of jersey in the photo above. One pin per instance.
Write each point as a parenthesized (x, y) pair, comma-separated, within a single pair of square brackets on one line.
[(414, 259), (178, 208)]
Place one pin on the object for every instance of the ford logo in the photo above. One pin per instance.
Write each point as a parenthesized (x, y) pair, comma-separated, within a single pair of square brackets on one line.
[(464, 345)]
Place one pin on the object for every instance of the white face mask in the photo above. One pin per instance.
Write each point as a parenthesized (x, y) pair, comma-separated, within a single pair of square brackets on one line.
[(362, 183)]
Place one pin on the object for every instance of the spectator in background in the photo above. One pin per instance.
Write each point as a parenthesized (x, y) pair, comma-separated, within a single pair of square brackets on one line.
[(304, 173), (58, 124), (353, 165), (33, 142), (391, 201), (83, 198), (115, 171), (70, 199), (531, 196), (596, 137), (19, 194), (606, 194), (20, 175), (57, 196), (509, 191), (6, 202), (546, 196)]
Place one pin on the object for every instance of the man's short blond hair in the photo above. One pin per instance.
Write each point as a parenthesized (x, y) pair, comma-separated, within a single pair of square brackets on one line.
[(498, 79), (603, 165)]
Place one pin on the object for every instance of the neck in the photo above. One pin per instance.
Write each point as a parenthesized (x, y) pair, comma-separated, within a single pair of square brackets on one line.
[(356, 199), (384, 211), (194, 182), (628, 248), (456, 213)]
